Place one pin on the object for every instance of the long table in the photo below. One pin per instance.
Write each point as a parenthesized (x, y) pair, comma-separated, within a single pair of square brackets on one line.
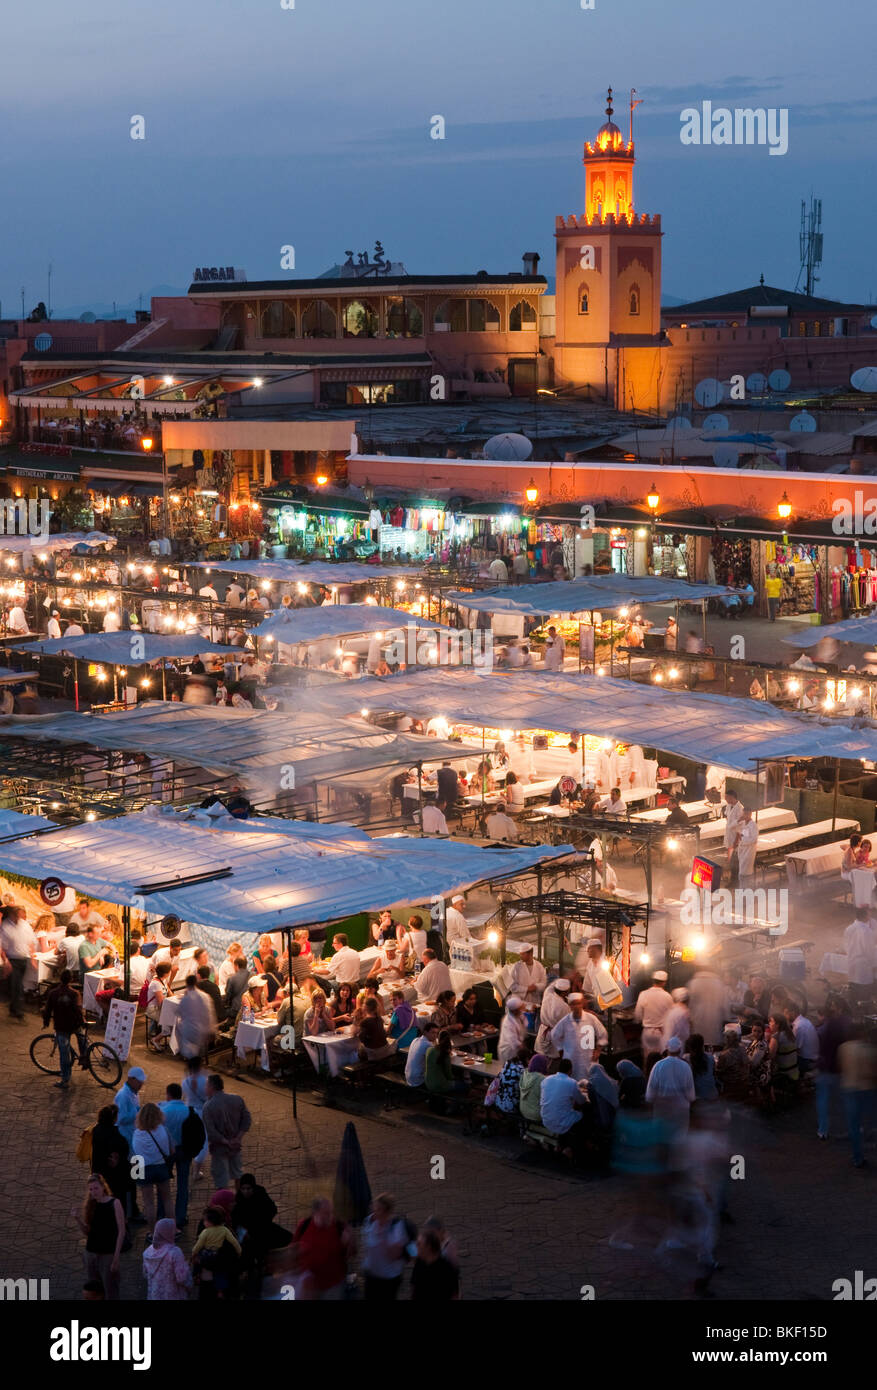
[(780, 839), (819, 859)]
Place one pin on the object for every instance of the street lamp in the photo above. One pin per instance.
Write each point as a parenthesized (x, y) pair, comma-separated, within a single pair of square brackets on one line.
[(321, 479), (531, 492), (784, 507), (653, 499)]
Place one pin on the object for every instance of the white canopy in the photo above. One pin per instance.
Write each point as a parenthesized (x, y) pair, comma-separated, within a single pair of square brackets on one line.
[(283, 873), (128, 648), (291, 625), (14, 823), (862, 631), (707, 728), (585, 595), (306, 572), (63, 541), (254, 745)]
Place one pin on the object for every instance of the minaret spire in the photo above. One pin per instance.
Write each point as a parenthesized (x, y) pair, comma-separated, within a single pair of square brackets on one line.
[(609, 106)]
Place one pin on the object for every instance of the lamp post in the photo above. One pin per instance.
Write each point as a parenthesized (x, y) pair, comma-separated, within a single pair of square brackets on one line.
[(147, 444), (653, 501)]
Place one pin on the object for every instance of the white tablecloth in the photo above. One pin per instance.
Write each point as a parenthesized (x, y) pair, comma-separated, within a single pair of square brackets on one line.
[(42, 972), (862, 883), (168, 1020), (255, 1037), (332, 1051), (92, 981), (771, 818), (821, 859)]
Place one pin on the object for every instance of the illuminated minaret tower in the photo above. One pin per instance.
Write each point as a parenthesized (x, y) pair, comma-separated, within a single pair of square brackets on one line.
[(608, 294)]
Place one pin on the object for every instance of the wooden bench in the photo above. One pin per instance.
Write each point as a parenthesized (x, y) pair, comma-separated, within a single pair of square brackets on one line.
[(361, 1074), (540, 1137), (397, 1092)]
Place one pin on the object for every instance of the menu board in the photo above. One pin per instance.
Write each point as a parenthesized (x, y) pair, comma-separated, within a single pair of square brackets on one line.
[(120, 1026)]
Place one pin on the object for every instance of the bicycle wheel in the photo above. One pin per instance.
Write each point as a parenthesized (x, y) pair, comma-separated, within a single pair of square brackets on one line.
[(104, 1064), (45, 1054)]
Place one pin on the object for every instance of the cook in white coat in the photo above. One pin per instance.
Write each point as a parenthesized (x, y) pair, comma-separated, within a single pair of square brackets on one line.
[(513, 1029), (555, 650), (860, 945), (554, 1009), (652, 1007), (528, 978), (577, 1035), (747, 845), (677, 1021)]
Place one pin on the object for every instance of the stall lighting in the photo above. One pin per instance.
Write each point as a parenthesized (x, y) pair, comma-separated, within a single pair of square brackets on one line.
[(784, 507), (44, 557), (266, 585), (147, 442), (302, 588), (653, 499), (257, 381), (56, 806), (268, 637), (254, 507), (175, 497), (673, 673), (856, 692), (531, 492), (828, 702), (493, 938), (505, 734), (91, 816), (146, 682), (623, 612), (793, 687), (101, 675), (363, 712), (642, 533), (697, 943), (372, 600), (645, 959), (321, 479), (658, 677), (168, 381), (672, 844)]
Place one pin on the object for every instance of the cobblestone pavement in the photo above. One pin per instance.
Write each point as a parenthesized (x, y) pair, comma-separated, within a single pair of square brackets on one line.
[(526, 1228)]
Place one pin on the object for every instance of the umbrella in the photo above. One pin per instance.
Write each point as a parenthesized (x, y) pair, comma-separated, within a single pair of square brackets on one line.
[(353, 1194)]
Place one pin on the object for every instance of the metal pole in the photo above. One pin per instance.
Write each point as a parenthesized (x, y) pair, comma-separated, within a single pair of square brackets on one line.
[(420, 794), (126, 947), (76, 682), (539, 912), (163, 680), (836, 790)]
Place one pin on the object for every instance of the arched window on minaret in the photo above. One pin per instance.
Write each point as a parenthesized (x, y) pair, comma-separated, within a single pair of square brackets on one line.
[(584, 299), (633, 301)]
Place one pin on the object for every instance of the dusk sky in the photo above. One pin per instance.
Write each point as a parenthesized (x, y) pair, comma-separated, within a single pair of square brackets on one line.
[(310, 127)]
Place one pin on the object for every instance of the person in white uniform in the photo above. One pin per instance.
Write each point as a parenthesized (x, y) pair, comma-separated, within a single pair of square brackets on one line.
[(709, 1006), (555, 650), (677, 1023), (554, 1009), (651, 1009), (53, 629), (733, 820), (112, 620), (860, 945), (577, 1036), (613, 804), (528, 978), (513, 1029), (747, 848), (432, 819), (456, 925)]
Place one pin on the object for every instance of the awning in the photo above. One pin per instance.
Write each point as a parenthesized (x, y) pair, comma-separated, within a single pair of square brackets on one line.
[(283, 873), (584, 595), (264, 750), (315, 572), (63, 540), (861, 631), (128, 648), (58, 467), (289, 625), (706, 728), (113, 488)]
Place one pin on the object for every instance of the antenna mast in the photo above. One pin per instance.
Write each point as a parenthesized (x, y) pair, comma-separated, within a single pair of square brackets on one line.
[(633, 106), (810, 243)]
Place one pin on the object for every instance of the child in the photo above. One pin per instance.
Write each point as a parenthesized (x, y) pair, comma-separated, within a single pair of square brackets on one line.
[(215, 1257)]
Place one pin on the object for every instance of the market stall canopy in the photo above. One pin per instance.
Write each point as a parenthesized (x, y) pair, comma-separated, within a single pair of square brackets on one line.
[(609, 591), (706, 728), (291, 625), (66, 540), (304, 572), (862, 631), (283, 873), (14, 823), (128, 648), (265, 750)]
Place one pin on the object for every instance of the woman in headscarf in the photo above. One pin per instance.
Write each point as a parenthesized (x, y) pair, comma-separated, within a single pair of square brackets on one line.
[(531, 1087), (403, 1023), (252, 1219), (165, 1267)]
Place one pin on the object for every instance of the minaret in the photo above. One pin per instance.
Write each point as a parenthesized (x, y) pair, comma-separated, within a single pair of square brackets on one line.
[(608, 293)]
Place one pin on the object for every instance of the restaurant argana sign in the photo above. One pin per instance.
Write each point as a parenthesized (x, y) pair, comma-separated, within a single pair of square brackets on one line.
[(214, 272)]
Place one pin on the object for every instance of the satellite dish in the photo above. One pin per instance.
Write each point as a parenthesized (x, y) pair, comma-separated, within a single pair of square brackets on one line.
[(756, 383), (512, 447), (87, 317), (874, 320), (679, 422), (709, 392), (716, 423), (726, 455), (803, 423), (779, 380), (865, 379), (42, 342)]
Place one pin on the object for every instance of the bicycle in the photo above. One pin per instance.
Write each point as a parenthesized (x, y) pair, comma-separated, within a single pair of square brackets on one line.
[(98, 1057)]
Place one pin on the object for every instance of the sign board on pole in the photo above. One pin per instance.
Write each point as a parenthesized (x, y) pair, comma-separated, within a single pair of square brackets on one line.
[(52, 891), (120, 1026)]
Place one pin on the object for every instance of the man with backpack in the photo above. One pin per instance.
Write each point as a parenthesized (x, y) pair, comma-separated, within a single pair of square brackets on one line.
[(63, 1007), (324, 1245), (186, 1130)]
